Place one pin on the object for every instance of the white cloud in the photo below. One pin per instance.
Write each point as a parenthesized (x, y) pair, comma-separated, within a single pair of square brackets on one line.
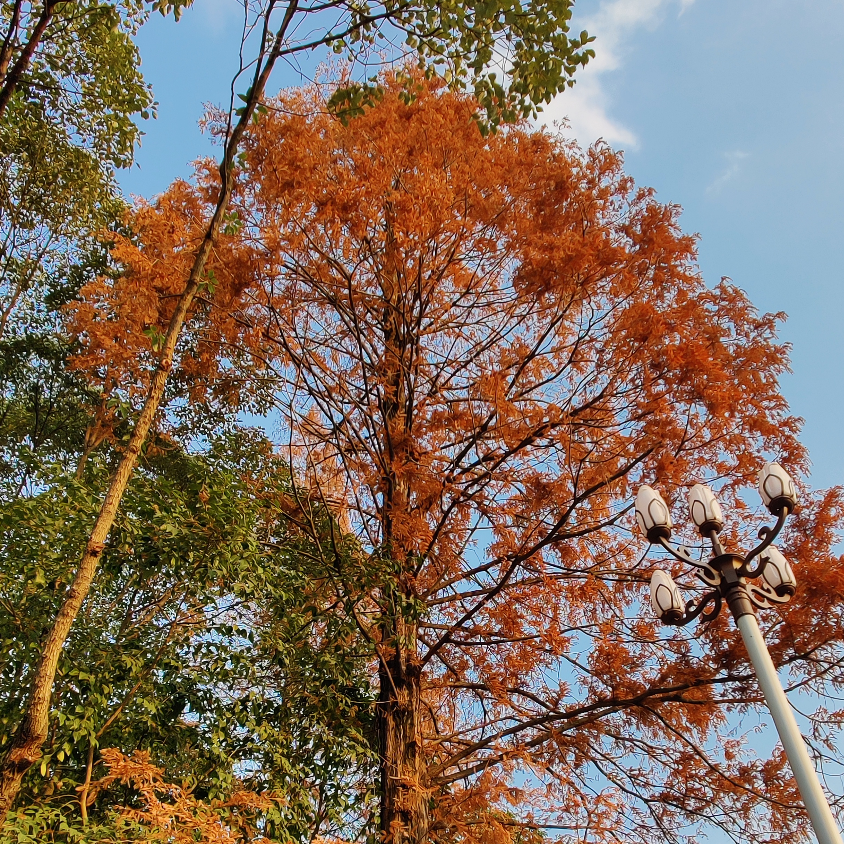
[(219, 16), (734, 160), (586, 106)]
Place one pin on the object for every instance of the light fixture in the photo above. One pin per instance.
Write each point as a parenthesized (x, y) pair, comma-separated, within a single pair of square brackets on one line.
[(777, 572), (736, 580), (777, 489), (705, 509), (652, 514), (666, 600)]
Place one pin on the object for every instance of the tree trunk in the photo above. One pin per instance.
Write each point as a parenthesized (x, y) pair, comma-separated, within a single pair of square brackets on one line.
[(25, 746), (405, 816), (9, 80)]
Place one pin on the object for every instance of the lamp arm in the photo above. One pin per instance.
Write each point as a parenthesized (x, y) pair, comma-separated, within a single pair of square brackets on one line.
[(767, 535), (762, 596), (693, 610), (679, 552)]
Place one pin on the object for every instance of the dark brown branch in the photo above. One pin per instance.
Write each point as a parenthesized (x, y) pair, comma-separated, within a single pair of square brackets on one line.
[(11, 80)]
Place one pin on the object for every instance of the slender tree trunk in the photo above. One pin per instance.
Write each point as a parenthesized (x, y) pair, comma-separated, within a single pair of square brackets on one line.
[(405, 815), (9, 40), (9, 80), (7, 311), (25, 747)]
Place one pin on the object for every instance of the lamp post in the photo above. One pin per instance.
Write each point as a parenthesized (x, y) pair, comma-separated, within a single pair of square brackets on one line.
[(732, 579)]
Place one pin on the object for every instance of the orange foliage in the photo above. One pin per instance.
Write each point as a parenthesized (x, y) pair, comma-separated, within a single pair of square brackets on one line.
[(171, 815), (487, 344)]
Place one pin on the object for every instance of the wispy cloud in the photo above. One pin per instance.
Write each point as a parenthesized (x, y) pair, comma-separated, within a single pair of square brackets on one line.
[(734, 160), (219, 16), (586, 106)]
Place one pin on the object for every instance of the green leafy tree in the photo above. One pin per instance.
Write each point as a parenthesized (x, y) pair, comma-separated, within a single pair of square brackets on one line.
[(205, 644), (49, 416), (71, 91)]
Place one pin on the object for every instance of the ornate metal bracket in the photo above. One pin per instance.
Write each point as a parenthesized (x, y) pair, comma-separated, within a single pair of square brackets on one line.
[(680, 552), (762, 596), (709, 575), (700, 609), (767, 535)]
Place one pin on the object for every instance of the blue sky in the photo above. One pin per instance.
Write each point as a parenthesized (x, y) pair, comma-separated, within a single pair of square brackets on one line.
[(733, 109)]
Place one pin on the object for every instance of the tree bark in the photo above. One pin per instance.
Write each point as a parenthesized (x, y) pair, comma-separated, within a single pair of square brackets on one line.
[(25, 747), (405, 815), (9, 81), (10, 39)]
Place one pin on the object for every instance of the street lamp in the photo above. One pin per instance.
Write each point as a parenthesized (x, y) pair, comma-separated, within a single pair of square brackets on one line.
[(732, 579)]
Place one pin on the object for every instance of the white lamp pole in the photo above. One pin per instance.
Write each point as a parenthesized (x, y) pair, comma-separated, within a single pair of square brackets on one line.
[(733, 580)]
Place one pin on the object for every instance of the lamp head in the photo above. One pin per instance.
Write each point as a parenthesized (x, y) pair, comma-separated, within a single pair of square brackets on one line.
[(666, 600), (652, 514), (777, 572), (777, 489), (705, 510)]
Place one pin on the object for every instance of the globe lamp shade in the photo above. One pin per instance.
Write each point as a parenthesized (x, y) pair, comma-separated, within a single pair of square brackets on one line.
[(666, 600), (777, 489), (705, 509), (652, 514), (778, 573)]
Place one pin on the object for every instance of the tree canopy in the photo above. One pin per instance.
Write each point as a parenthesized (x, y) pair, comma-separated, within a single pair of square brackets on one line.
[(70, 95), (479, 345), (528, 45)]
